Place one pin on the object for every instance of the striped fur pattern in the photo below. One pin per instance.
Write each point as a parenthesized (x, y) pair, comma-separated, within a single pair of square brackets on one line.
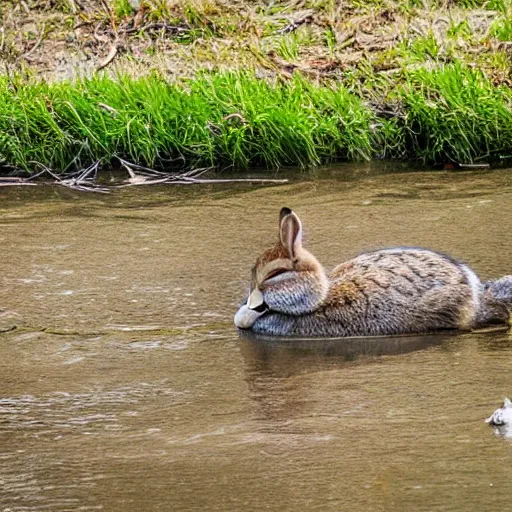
[(390, 291)]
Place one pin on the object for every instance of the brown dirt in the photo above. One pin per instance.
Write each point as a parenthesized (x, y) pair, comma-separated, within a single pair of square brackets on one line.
[(63, 39)]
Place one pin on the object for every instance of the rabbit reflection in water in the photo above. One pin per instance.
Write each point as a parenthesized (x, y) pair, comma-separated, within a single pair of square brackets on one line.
[(391, 291)]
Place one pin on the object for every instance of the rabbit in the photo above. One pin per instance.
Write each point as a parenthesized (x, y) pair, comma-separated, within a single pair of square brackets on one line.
[(401, 290)]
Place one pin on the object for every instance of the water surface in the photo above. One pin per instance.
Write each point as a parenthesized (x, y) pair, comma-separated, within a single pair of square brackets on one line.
[(124, 386)]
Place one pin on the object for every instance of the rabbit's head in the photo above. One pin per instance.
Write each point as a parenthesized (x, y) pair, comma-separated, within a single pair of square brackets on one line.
[(286, 278)]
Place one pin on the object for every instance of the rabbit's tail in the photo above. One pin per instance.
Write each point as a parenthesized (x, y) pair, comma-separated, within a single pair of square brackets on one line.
[(496, 301)]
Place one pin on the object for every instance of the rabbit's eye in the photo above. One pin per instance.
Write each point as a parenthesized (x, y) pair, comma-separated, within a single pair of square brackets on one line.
[(276, 272)]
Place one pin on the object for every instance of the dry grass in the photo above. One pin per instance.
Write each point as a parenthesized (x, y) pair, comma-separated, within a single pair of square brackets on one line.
[(325, 39)]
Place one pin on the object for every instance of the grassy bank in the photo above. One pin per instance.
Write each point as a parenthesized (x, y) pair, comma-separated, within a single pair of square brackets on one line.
[(241, 83), (235, 120)]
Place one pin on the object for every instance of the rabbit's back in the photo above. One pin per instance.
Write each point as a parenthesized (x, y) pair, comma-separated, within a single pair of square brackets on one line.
[(409, 271), (402, 290)]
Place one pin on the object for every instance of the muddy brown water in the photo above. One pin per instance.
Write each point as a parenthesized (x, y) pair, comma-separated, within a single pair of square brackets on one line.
[(124, 386)]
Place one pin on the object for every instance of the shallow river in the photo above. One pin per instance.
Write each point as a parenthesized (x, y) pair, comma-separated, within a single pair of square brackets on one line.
[(125, 387)]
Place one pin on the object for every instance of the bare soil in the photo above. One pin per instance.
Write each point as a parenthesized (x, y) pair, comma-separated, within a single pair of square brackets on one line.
[(63, 39)]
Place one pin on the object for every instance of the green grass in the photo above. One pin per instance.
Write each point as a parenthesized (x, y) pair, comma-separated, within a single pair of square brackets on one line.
[(501, 29), (153, 123), (456, 114), (122, 8), (237, 120)]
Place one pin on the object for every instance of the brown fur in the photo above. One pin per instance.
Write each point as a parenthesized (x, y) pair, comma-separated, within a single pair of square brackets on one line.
[(391, 291)]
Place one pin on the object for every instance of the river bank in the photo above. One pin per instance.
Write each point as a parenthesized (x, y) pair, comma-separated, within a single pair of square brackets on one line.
[(217, 84), (235, 120), (352, 40)]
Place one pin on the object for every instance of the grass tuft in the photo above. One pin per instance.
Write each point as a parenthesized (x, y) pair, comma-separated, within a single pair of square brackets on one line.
[(456, 114), (230, 119), (236, 120)]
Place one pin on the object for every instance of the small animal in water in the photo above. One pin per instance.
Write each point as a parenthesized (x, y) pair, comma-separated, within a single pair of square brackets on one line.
[(502, 416), (401, 290)]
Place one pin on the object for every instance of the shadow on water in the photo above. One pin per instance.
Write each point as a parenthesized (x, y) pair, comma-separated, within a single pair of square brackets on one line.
[(280, 373), (283, 357)]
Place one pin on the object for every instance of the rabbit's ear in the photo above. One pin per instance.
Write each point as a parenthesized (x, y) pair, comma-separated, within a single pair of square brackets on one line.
[(283, 213), (290, 231), (507, 402)]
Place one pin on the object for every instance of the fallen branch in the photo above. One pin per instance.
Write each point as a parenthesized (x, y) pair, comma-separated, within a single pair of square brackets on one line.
[(83, 183), (185, 178), (15, 184), (85, 180)]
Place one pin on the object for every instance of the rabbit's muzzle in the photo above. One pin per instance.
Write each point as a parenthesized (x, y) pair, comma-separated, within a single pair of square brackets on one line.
[(254, 308)]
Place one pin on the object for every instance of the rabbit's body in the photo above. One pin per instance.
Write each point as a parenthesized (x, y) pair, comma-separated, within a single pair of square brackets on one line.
[(391, 291)]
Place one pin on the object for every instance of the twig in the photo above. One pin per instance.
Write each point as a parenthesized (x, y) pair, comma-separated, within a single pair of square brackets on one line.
[(197, 172), (143, 182), (34, 48), (155, 26), (15, 184), (89, 170), (474, 166), (130, 170), (109, 58), (85, 180), (81, 183), (131, 165), (45, 169), (34, 176), (110, 14), (294, 25), (108, 108)]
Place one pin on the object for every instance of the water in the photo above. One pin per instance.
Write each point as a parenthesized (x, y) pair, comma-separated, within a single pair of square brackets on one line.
[(124, 386)]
